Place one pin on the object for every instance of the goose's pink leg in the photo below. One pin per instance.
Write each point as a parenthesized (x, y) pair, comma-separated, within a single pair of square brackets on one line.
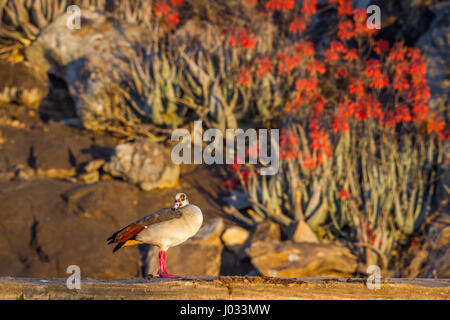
[(163, 268)]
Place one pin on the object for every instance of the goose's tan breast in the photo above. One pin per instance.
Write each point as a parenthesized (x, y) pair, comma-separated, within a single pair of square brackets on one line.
[(173, 232)]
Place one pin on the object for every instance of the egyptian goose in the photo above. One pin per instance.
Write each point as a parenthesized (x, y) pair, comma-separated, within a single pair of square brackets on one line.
[(164, 228)]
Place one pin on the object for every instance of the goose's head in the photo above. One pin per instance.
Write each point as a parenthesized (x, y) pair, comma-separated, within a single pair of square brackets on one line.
[(180, 201)]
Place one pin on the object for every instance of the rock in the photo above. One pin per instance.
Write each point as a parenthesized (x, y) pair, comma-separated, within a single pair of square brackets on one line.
[(404, 20), (94, 165), (235, 236), (238, 200), (48, 232), (144, 163), (266, 230), (430, 256), (236, 239), (23, 84), (210, 232), (194, 259), (301, 232), (435, 46), (90, 177), (290, 259), (54, 173), (92, 174), (92, 72), (234, 265), (53, 146)]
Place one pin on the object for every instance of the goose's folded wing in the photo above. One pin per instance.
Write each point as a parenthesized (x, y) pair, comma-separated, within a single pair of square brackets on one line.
[(133, 229)]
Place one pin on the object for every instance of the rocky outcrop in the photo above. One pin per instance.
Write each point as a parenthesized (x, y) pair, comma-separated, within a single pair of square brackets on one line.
[(144, 163), (435, 46), (235, 236), (51, 148), (48, 225), (289, 259), (266, 230), (22, 83), (93, 60), (195, 259)]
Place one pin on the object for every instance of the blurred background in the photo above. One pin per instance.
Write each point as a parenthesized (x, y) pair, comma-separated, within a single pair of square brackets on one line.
[(91, 91)]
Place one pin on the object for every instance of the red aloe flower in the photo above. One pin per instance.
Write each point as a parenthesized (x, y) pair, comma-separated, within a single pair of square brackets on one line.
[(172, 20), (400, 80), (308, 161), (297, 25), (287, 63), (360, 20), (340, 120), (319, 104), (379, 80), (306, 90), (288, 145), (244, 76), (388, 119), (346, 30), (176, 3), (420, 112), (280, 4), (436, 124), (247, 39), (265, 66), (344, 194), (376, 110), (356, 87), (314, 67), (344, 7), (351, 55), (161, 8), (309, 7), (381, 47), (340, 124), (361, 109), (231, 183), (304, 48), (320, 143), (242, 37), (402, 113), (332, 54), (397, 53), (341, 73)]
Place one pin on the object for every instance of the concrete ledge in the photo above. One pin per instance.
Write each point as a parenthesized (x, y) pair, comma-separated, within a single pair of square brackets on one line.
[(224, 288)]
